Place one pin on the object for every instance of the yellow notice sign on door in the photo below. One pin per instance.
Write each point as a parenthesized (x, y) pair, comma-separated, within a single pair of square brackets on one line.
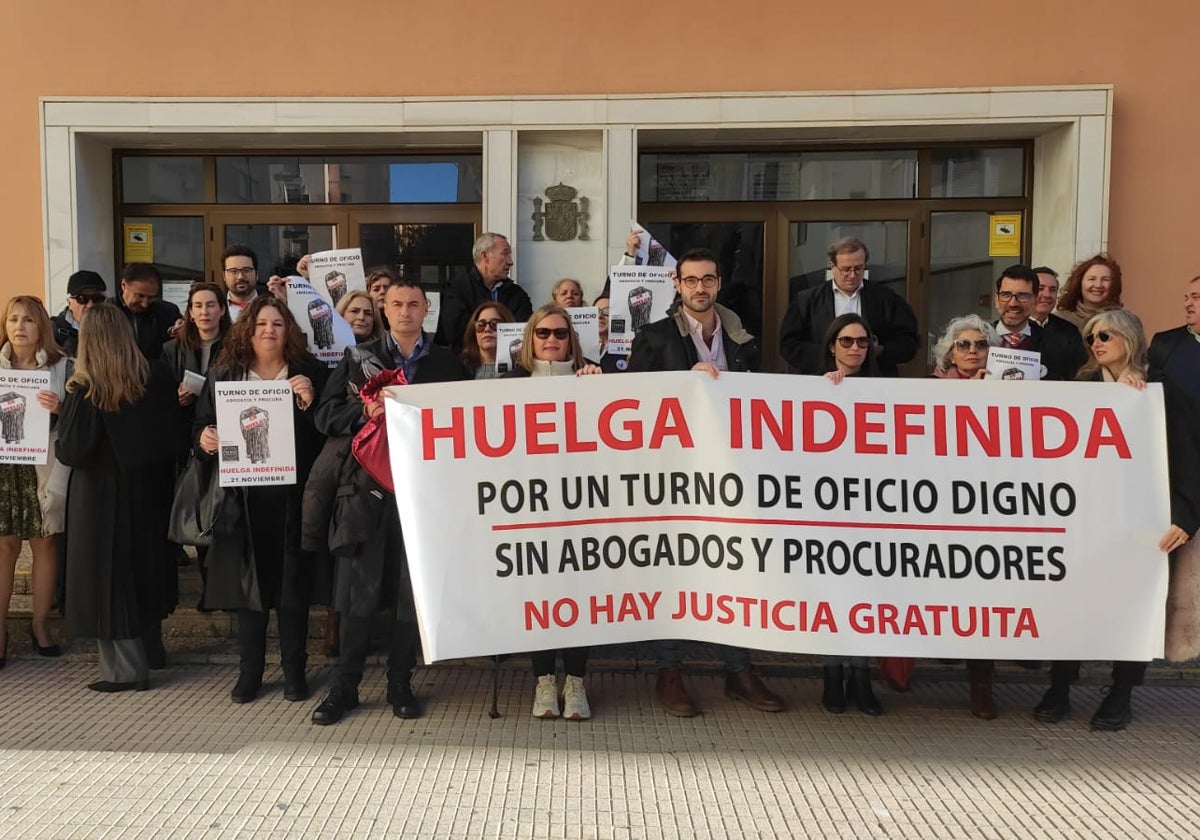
[(139, 243), (1004, 236)]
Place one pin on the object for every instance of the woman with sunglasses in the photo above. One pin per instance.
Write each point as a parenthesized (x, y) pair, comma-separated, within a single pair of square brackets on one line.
[(849, 353), (551, 348), (1093, 287), (479, 338), (1117, 354), (30, 509), (962, 351)]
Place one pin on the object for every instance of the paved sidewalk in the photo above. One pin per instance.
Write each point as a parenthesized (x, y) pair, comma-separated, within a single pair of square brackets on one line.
[(181, 761)]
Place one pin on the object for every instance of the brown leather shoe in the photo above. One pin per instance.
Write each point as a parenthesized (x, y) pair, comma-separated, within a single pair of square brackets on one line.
[(982, 704), (673, 694), (747, 687)]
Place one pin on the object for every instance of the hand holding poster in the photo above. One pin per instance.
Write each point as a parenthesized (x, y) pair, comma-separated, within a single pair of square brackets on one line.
[(639, 295), (326, 332), (257, 433), (1009, 363), (24, 424), (334, 273), (873, 518), (586, 321), (650, 251)]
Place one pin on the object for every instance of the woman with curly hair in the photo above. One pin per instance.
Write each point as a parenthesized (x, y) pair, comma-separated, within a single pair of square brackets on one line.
[(1093, 287), (255, 563)]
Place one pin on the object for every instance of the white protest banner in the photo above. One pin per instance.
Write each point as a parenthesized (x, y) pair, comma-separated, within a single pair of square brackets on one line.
[(875, 517), (586, 321), (257, 433), (334, 273), (638, 295), (430, 324), (327, 333), (650, 251), (508, 345), (24, 424), (1010, 363)]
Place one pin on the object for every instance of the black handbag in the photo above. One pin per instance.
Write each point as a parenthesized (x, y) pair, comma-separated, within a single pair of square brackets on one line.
[(198, 501)]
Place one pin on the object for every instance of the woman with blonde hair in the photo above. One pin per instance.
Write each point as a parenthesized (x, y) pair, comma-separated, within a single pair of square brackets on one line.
[(119, 430), (361, 313), (31, 507), (551, 348)]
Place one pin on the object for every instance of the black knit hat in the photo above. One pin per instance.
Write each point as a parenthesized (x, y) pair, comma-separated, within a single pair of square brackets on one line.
[(81, 280)]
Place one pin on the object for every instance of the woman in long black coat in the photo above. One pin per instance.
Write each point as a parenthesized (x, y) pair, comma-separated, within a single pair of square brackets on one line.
[(119, 429), (255, 563)]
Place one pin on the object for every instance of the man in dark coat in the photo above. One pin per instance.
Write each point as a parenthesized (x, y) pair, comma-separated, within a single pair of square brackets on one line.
[(487, 280), (365, 537), (700, 335), (85, 289), (1016, 291), (154, 321), (812, 311), (1044, 317)]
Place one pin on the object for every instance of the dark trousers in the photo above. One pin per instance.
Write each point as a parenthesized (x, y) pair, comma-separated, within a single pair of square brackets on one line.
[(403, 648), (981, 670), (574, 661), (293, 639), (1130, 673)]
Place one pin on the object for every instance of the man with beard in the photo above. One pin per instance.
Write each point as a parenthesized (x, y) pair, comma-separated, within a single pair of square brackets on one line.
[(239, 270), (1016, 291), (701, 335)]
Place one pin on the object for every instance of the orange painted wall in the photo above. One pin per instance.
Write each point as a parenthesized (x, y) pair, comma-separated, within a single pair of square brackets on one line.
[(260, 48)]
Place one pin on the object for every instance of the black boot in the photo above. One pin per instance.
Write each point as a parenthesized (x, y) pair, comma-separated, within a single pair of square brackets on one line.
[(1056, 702), (1115, 711), (334, 705), (404, 703), (833, 696), (858, 689), (247, 686), (295, 685)]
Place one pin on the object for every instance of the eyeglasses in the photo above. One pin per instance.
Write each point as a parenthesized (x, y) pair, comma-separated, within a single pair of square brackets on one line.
[(1022, 297), (850, 270), (965, 344), (486, 324), (84, 300), (1103, 335), (861, 341), (543, 333), (707, 281), (241, 272)]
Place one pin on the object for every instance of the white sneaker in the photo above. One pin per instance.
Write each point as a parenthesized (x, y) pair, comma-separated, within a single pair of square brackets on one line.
[(545, 697), (575, 702)]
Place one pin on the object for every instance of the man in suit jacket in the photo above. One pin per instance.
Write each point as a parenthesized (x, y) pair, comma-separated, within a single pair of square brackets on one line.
[(1016, 291), (1043, 308), (812, 311)]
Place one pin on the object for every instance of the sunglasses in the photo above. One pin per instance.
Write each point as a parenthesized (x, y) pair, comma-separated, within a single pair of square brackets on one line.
[(84, 300), (1103, 335), (486, 325), (965, 344), (862, 342), (543, 333)]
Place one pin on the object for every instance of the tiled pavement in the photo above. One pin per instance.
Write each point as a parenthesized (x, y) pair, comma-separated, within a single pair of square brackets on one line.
[(182, 761)]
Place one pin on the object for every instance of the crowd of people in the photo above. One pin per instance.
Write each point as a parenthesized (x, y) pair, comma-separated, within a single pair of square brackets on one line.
[(132, 396)]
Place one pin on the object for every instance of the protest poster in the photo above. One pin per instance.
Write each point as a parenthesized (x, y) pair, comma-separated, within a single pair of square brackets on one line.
[(326, 332), (177, 293), (1010, 363), (650, 251), (257, 433), (509, 337), (586, 321), (334, 273), (638, 295), (430, 324), (873, 518), (24, 424)]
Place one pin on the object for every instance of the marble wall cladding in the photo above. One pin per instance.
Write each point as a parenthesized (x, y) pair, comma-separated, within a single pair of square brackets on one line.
[(575, 159)]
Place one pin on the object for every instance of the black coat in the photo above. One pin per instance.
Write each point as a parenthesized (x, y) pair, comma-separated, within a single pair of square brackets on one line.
[(120, 582), (65, 335), (461, 295), (151, 329), (802, 334), (181, 358), (342, 500), (667, 345), (1075, 354), (1183, 430), (272, 570)]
